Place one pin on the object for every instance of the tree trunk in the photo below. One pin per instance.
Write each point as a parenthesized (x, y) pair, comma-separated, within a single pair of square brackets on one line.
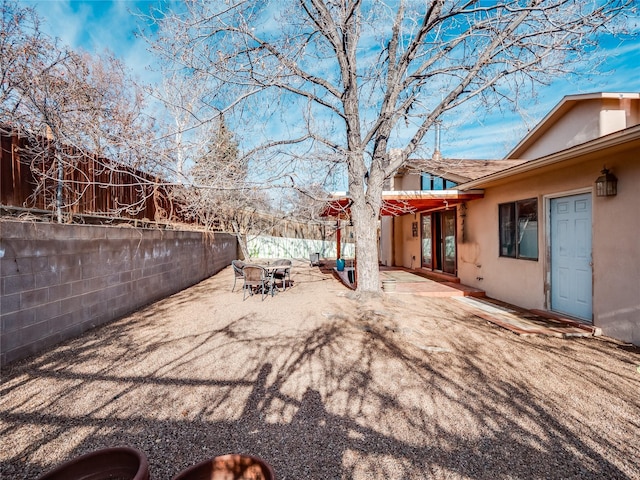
[(365, 212), (242, 240)]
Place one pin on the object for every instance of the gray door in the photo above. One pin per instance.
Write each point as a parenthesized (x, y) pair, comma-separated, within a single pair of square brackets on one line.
[(571, 276)]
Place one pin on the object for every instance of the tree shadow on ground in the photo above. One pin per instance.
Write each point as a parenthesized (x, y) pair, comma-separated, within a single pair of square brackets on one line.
[(353, 396)]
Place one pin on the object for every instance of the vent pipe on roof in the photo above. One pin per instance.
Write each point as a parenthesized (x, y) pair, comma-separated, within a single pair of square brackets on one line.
[(436, 152)]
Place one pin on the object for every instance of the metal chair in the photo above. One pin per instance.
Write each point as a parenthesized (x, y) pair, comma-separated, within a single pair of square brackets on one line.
[(237, 271), (282, 274), (255, 277)]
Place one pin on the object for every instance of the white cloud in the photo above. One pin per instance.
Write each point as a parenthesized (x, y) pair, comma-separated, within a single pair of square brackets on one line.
[(96, 26)]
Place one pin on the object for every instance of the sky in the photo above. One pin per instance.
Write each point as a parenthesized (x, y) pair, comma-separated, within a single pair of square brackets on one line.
[(110, 24)]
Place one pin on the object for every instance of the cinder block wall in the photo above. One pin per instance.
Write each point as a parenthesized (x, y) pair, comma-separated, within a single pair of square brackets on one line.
[(57, 281)]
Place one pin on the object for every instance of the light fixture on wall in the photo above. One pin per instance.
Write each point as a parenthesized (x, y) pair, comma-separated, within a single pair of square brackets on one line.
[(606, 184)]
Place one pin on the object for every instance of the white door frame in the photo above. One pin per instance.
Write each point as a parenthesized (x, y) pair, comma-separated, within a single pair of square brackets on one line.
[(547, 237)]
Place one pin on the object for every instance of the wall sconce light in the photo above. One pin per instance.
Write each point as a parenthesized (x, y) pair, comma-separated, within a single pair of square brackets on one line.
[(606, 184)]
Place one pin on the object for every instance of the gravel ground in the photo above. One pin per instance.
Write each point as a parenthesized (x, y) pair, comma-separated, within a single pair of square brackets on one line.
[(324, 386)]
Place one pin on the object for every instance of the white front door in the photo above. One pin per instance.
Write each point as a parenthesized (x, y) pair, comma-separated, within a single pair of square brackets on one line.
[(571, 278)]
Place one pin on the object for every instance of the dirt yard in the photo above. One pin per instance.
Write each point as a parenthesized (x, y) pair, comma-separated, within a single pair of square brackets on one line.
[(323, 386)]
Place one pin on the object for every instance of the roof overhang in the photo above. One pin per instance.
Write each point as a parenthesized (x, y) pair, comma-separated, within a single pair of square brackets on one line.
[(566, 104), (395, 203), (621, 140)]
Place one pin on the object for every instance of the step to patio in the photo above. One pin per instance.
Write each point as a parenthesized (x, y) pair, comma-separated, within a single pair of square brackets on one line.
[(524, 322), (410, 282), (595, 331), (437, 289)]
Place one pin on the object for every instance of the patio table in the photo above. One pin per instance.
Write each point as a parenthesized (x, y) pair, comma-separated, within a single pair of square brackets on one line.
[(271, 269)]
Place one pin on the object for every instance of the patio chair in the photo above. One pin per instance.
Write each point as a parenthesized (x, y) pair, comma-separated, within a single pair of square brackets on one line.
[(255, 277), (282, 274), (237, 271)]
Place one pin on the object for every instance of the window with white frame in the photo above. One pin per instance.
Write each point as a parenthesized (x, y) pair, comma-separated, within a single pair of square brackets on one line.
[(519, 229)]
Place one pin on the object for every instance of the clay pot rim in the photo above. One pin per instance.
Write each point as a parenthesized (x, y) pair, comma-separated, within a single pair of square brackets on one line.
[(210, 460), (141, 474)]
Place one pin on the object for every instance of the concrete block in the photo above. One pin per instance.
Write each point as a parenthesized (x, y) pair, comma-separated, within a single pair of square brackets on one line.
[(63, 322), (10, 303), (46, 278), (91, 275), (59, 292), (92, 233), (8, 266), (71, 275), (95, 284), (136, 274), (32, 298), (40, 264), (125, 277), (17, 283), (15, 263), (91, 298), (122, 233), (28, 334), (22, 351), (12, 322), (71, 304), (65, 262), (47, 311), (112, 278), (78, 288)]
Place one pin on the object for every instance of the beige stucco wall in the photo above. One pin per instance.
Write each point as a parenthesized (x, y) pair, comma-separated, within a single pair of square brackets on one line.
[(586, 121), (386, 241), (615, 241), (411, 181), (406, 245), (616, 254)]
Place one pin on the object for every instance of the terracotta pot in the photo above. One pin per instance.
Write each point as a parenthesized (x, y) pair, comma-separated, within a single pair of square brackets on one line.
[(229, 467), (118, 463)]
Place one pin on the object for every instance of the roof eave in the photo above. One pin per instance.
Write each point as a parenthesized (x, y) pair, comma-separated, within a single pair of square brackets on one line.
[(560, 109), (600, 143)]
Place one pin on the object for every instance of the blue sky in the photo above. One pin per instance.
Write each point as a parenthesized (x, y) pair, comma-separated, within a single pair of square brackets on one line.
[(109, 24)]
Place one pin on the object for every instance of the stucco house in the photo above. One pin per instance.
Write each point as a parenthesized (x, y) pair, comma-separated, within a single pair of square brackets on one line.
[(534, 229)]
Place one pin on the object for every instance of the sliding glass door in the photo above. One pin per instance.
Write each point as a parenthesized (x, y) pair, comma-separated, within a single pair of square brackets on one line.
[(427, 244), (439, 241)]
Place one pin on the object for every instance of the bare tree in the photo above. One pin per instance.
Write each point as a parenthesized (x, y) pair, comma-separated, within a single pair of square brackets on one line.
[(74, 108), (219, 196), (190, 121), (358, 79)]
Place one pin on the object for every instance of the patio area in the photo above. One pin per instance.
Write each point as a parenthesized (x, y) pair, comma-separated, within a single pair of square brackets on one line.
[(322, 385)]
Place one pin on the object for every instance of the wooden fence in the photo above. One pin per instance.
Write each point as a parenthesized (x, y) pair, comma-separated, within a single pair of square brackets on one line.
[(98, 190), (31, 178)]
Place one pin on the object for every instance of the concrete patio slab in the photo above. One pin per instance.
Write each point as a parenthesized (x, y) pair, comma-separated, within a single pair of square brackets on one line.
[(525, 322)]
